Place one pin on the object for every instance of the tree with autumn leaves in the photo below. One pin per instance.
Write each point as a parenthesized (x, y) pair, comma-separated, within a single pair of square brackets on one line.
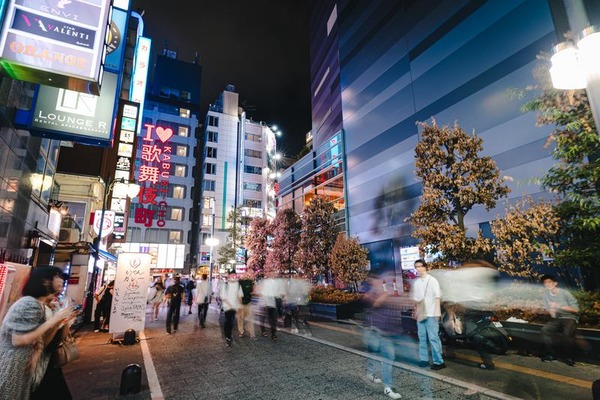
[(257, 246), (286, 230), (526, 237), (317, 239), (455, 179), (349, 261)]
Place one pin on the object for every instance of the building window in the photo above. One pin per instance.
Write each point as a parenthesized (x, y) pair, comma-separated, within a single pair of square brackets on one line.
[(211, 152), (250, 169), (178, 192), (257, 187), (179, 170), (181, 150), (212, 136), (175, 236), (206, 220), (208, 202), (185, 96), (209, 185), (252, 203), (176, 214), (183, 131), (253, 138), (252, 153), (213, 121), (184, 112), (210, 168)]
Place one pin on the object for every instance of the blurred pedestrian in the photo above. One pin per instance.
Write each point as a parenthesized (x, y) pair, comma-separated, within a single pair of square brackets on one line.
[(174, 295), (271, 289), (564, 316), (245, 317), (201, 294), (298, 291), (25, 333), (189, 286), (156, 296), (426, 294), (54, 380), (230, 293), (380, 335), (103, 298)]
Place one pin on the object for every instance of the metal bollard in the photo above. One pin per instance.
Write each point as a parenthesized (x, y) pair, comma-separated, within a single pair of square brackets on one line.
[(131, 379)]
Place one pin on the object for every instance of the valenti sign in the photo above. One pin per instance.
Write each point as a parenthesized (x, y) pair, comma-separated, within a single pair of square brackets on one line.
[(55, 42), (74, 116)]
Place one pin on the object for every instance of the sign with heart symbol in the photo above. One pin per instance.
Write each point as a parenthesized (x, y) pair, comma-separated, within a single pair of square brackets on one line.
[(135, 262), (164, 134)]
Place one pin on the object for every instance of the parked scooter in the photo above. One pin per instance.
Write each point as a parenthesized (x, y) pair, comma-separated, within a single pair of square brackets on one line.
[(474, 328)]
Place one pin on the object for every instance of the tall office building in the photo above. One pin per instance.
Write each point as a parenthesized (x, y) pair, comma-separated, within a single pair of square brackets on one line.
[(163, 219), (407, 61), (238, 168)]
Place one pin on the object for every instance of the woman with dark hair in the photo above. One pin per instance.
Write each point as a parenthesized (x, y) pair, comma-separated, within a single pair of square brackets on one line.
[(25, 332)]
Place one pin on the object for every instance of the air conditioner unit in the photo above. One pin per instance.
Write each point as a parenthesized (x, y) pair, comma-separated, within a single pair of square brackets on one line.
[(68, 235)]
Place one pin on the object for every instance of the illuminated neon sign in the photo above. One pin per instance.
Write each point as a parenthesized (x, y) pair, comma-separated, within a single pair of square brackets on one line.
[(153, 176)]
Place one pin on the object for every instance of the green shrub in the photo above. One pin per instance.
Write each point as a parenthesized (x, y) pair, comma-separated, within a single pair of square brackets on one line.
[(331, 295)]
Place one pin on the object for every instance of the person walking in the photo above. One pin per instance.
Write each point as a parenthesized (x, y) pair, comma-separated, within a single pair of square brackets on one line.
[(174, 294), (26, 331), (230, 293), (104, 302), (244, 312), (189, 297), (564, 316), (380, 336), (299, 289), (156, 296), (54, 380), (427, 294), (201, 295)]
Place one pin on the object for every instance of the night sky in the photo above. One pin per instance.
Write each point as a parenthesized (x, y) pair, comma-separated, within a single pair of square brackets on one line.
[(259, 46)]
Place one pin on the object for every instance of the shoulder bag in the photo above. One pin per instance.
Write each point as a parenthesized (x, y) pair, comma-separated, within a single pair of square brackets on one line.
[(419, 312), (66, 352)]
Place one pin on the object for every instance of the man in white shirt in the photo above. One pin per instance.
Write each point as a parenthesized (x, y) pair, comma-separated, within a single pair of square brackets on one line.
[(230, 302), (427, 292), (201, 295)]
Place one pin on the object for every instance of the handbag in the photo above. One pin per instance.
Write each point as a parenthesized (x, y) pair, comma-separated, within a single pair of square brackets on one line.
[(419, 313), (66, 352)]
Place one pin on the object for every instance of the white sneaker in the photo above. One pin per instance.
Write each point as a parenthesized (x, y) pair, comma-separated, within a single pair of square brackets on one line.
[(391, 392), (373, 378)]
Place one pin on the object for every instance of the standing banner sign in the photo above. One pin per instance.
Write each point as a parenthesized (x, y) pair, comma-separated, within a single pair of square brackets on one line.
[(128, 310)]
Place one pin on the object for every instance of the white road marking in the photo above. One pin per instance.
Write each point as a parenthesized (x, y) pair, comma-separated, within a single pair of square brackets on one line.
[(153, 384)]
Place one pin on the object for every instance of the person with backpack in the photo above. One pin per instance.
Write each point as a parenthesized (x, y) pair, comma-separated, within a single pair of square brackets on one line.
[(189, 287)]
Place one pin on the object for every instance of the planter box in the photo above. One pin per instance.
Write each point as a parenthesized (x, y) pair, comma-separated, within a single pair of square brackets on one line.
[(334, 311)]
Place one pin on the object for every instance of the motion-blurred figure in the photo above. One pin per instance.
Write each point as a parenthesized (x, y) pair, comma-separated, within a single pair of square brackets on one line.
[(466, 291), (379, 335), (297, 298), (245, 315), (564, 315), (230, 292)]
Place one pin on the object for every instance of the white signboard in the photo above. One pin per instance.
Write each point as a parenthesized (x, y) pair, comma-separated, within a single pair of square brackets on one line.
[(128, 309), (107, 226), (408, 256)]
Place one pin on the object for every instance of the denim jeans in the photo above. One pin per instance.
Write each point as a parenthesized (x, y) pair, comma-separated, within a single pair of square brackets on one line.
[(428, 330), (383, 346)]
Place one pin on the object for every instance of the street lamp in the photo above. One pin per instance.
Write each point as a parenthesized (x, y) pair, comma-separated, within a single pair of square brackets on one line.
[(578, 67), (117, 187)]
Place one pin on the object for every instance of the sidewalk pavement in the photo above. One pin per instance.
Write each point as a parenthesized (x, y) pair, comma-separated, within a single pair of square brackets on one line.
[(194, 363)]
